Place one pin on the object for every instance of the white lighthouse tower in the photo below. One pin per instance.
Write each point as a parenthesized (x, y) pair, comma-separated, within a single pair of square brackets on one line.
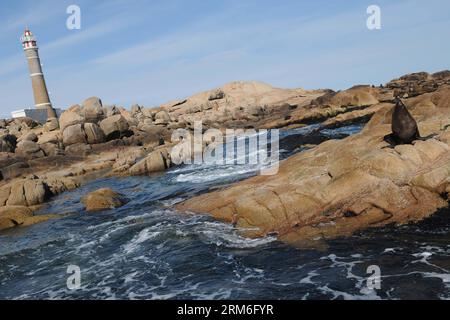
[(43, 106)]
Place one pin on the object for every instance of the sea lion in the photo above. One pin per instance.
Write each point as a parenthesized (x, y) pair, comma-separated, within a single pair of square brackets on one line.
[(404, 127)]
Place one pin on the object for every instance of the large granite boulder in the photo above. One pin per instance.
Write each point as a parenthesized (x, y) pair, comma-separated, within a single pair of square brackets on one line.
[(109, 111), (71, 117), (74, 134), (114, 127), (92, 110), (78, 149), (29, 136), (50, 137), (94, 133), (20, 216), (51, 125), (29, 149), (14, 170), (26, 192), (156, 161), (12, 216), (103, 199), (162, 118)]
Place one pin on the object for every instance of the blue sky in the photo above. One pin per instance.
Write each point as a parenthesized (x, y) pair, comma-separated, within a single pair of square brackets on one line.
[(149, 52)]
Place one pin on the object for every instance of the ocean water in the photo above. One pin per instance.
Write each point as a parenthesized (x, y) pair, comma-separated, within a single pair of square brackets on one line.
[(146, 250)]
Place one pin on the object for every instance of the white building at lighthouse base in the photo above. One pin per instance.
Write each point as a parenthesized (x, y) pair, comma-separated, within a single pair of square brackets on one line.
[(38, 115)]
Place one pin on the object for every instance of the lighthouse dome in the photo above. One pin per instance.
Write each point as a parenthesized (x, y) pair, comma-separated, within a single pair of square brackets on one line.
[(28, 40)]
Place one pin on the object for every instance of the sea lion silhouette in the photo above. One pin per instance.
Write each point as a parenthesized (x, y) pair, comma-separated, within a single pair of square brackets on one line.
[(404, 127)]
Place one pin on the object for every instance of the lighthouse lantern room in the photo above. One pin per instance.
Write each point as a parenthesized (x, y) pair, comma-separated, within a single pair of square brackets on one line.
[(28, 40)]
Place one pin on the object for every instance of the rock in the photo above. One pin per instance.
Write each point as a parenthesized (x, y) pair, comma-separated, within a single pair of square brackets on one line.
[(14, 170), (102, 199), (30, 136), (20, 216), (441, 75), (233, 104), (74, 134), (50, 149), (217, 95), (418, 76), (114, 127), (162, 117), (130, 118), (6, 223), (26, 122), (92, 110), (8, 143), (156, 161), (5, 191), (12, 216), (125, 161), (70, 118), (110, 111), (342, 186), (356, 96), (135, 108), (94, 134), (29, 149), (51, 125), (78, 149), (148, 113), (27, 192), (50, 137)]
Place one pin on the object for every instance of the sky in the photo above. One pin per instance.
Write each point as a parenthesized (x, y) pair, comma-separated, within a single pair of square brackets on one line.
[(151, 52)]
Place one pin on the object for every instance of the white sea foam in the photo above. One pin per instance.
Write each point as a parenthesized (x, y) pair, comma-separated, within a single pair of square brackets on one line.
[(144, 235), (225, 235)]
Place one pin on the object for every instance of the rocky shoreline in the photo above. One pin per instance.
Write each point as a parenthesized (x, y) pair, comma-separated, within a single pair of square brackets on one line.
[(334, 189)]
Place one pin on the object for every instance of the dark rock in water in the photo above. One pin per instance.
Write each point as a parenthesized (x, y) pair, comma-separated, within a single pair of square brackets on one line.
[(404, 127), (103, 199)]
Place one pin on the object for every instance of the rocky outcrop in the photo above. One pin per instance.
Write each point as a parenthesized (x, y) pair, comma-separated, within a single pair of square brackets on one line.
[(20, 216), (414, 84), (29, 136), (102, 199), (237, 104), (156, 161), (93, 133), (162, 117), (27, 192), (92, 110), (342, 186), (29, 149), (74, 134), (71, 117), (114, 127), (96, 141)]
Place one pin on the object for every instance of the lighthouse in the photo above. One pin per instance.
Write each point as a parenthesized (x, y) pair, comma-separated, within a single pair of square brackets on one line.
[(41, 97)]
